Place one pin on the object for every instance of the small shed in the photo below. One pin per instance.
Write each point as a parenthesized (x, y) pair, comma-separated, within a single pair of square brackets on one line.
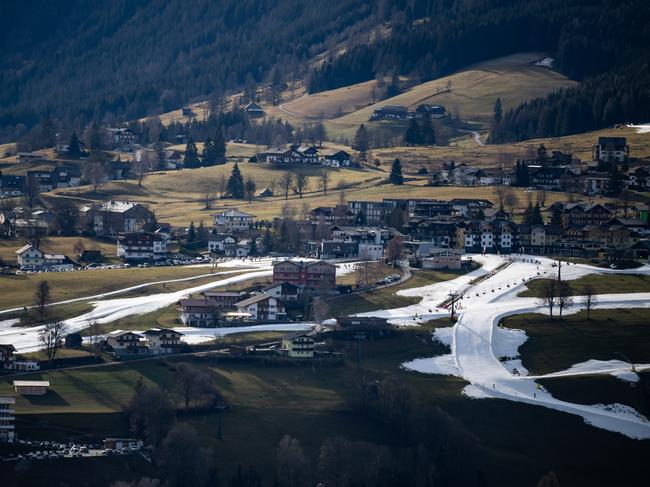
[(31, 387)]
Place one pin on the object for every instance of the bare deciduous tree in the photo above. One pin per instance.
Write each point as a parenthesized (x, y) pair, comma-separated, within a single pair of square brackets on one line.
[(286, 181), (95, 174), (51, 337), (291, 463), (324, 180), (31, 192), (301, 184), (394, 249), (207, 196), (249, 188), (95, 331), (42, 299), (320, 310), (589, 298), (143, 165), (564, 296), (222, 185), (182, 459), (549, 296)]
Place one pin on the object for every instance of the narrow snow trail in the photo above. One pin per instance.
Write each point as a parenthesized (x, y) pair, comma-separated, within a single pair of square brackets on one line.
[(474, 339), (25, 339), (127, 289)]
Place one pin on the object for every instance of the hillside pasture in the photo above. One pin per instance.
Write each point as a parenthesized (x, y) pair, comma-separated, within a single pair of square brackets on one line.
[(469, 94)]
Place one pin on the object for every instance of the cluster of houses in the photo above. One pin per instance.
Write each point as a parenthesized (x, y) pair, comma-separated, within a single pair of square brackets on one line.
[(155, 341), (558, 172), (306, 154), (40, 180), (436, 233), (399, 112), (291, 279)]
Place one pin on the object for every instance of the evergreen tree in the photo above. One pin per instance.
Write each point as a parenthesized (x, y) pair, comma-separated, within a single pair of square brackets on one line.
[(253, 249), (393, 88), (360, 218), (413, 135), (361, 140), (525, 175), (517, 173), (428, 131), (528, 214), (191, 159), (616, 181), (219, 146), (208, 155), (556, 216), (249, 188), (498, 111), (542, 155), (396, 176), (235, 187), (536, 216), (267, 240), (74, 147), (191, 233)]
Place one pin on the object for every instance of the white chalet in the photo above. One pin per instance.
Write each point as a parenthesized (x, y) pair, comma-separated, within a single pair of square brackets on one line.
[(232, 220)]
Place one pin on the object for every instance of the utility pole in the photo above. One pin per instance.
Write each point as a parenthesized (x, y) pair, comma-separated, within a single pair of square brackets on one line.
[(559, 270), (221, 408), (358, 337)]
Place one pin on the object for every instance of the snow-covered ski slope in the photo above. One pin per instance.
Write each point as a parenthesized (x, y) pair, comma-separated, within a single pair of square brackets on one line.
[(477, 343)]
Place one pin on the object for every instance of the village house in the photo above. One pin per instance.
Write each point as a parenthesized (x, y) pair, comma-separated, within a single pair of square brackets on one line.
[(611, 149), (7, 359), (172, 159), (261, 307), (283, 290), (11, 186), (126, 342), (296, 154), (202, 313), (443, 258), (298, 346), (338, 158), (32, 256), (390, 112), (23, 157), (31, 387), (232, 220), (120, 137), (116, 217), (253, 110), (470, 208), (553, 178), (594, 182), (638, 178), (142, 246), (7, 418), (225, 300), (370, 212), (581, 214), (428, 110), (313, 275), (163, 340)]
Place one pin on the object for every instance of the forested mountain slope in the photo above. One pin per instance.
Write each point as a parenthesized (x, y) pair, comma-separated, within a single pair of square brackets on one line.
[(82, 60)]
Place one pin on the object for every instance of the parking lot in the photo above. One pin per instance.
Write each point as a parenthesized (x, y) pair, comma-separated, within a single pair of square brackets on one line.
[(51, 450)]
